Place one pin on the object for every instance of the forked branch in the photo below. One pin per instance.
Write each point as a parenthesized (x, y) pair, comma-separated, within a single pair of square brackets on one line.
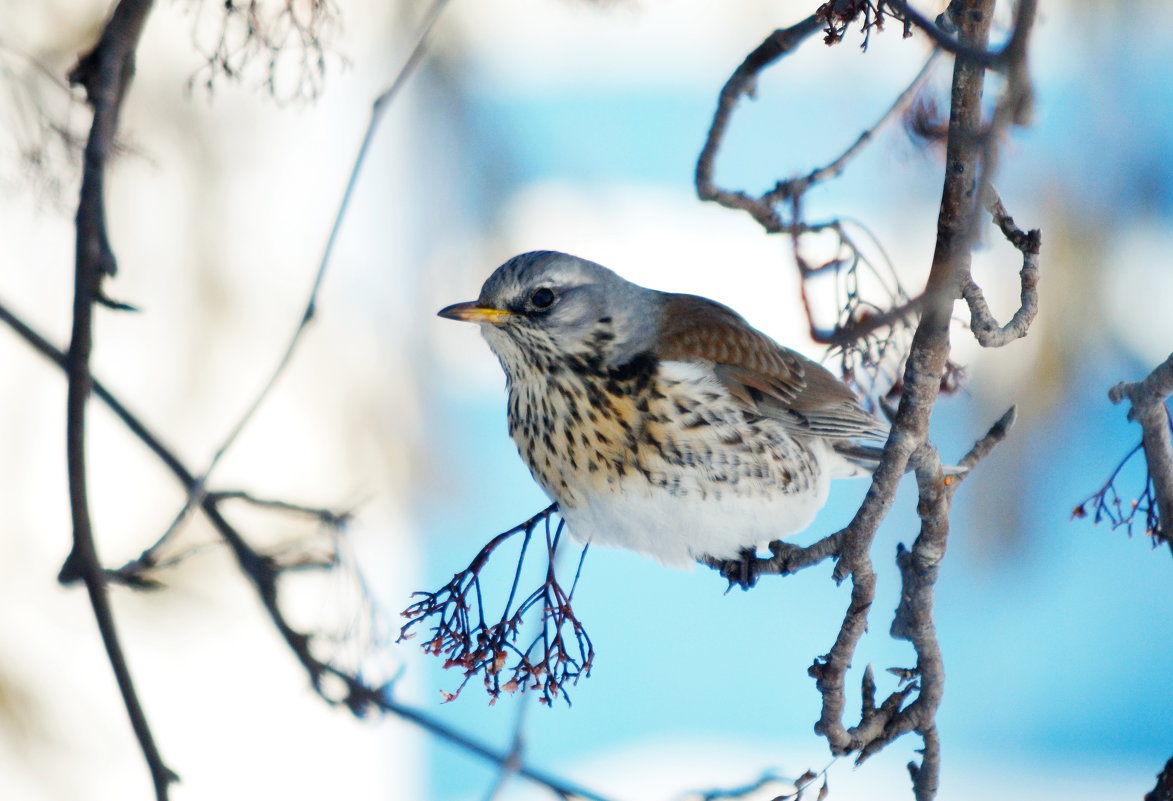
[(970, 156)]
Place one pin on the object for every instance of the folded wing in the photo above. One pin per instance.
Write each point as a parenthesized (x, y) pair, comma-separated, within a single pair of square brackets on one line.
[(765, 377)]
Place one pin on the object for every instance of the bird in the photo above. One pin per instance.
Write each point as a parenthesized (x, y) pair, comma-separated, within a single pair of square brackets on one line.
[(659, 422)]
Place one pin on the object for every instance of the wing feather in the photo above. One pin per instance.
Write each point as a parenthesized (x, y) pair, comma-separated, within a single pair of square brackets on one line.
[(765, 377)]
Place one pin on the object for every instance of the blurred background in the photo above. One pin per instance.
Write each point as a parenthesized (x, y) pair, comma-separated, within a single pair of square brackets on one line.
[(569, 125)]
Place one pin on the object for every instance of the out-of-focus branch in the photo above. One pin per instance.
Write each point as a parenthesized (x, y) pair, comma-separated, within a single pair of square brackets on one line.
[(291, 38), (1149, 409), (769, 785), (198, 486), (1164, 789), (795, 187), (355, 694), (1010, 59), (982, 322), (743, 82), (105, 73), (870, 362)]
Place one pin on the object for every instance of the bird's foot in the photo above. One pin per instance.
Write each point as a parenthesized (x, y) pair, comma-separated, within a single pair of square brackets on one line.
[(740, 572)]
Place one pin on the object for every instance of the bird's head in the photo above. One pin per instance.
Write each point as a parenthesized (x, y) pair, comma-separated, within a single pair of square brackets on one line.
[(542, 307)]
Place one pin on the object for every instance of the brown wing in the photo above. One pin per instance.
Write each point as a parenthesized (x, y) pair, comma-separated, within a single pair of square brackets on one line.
[(771, 380)]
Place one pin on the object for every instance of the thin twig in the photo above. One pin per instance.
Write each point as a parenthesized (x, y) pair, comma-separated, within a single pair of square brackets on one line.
[(556, 785), (105, 72), (358, 695), (797, 186), (778, 44), (325, 516), (742, 82), (198, 488), (515, 757)]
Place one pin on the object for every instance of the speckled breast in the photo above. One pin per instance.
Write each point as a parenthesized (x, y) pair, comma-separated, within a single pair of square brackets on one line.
[(648, 428)]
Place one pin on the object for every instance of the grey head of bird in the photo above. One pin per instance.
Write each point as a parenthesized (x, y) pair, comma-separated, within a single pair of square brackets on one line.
[(542, 307)]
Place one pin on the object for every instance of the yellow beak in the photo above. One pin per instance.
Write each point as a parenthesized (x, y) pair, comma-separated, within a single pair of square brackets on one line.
[(470, 312)]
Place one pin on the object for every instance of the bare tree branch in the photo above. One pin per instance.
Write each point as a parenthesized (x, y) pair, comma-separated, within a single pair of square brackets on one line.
[(778, 44), (797, 186), (859, 318), (105, 72), (356, 694), (198, 487), (982, 322), (289, 36), (1011, 58), (970, 159), (95, 259), (743, 82)]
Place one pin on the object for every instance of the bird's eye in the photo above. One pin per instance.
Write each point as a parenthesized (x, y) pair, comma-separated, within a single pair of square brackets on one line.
[(542, 298)]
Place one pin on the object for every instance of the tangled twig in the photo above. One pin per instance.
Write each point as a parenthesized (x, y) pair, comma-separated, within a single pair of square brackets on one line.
[(292, 38), (483, 643)]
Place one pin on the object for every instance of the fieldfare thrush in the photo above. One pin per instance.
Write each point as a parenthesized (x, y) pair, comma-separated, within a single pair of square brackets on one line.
[(660, 422)]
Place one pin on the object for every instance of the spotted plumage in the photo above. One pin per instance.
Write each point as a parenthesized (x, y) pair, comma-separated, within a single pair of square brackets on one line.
[(660, 422)]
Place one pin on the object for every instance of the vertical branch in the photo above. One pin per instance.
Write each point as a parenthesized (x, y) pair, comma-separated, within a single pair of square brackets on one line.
[(1150, 411), (913, 621), (922, 381), (105, 73)]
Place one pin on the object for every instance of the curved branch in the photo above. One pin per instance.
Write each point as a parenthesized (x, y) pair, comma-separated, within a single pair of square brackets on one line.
[(985, 327), (1002, 60), (797, 186), (778, 44)]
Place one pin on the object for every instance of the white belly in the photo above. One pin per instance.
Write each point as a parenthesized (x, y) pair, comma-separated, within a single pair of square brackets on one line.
[(677, 530)]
